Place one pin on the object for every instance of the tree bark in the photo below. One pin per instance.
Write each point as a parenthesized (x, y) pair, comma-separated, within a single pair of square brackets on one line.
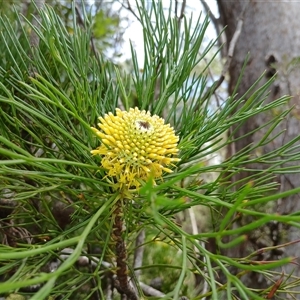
[(271, 37)]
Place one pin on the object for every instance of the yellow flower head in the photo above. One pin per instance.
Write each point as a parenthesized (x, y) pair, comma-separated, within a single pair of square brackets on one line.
[(135, 145)]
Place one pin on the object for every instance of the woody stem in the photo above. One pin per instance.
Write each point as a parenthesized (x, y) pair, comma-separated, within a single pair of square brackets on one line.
[(121, 254)]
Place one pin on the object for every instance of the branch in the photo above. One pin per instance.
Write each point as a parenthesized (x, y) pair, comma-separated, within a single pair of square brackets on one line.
[(195, 232), (212, 89), (84, 261), (150, 291), (139, 253), (235, 39), (122, 284), (218, 27), (213, 18), (128, 7), (183, 5)]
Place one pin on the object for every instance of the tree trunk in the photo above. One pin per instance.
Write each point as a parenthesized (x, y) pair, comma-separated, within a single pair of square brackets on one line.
[(271, 36)]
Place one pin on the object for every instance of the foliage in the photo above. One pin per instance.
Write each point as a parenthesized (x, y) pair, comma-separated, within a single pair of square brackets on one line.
[(104, 27), (57, 205), (105, 21)]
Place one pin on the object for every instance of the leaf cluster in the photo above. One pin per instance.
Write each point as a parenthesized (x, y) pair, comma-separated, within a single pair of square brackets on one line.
[(54, 195)]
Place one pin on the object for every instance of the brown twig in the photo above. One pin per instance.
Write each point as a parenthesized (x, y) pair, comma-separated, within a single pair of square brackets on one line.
[(128, 7), (121, 254), (212, 89), (183, 5), (275, 287), (213, 18), (217, 25)]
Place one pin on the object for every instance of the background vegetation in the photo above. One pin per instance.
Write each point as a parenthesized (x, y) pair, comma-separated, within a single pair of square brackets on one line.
[(56, 205)]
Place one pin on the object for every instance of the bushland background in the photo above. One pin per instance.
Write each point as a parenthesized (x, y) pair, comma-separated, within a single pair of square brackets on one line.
[(246, 75)]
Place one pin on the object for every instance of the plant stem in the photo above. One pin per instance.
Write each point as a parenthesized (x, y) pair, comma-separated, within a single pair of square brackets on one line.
[(121, 254)]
